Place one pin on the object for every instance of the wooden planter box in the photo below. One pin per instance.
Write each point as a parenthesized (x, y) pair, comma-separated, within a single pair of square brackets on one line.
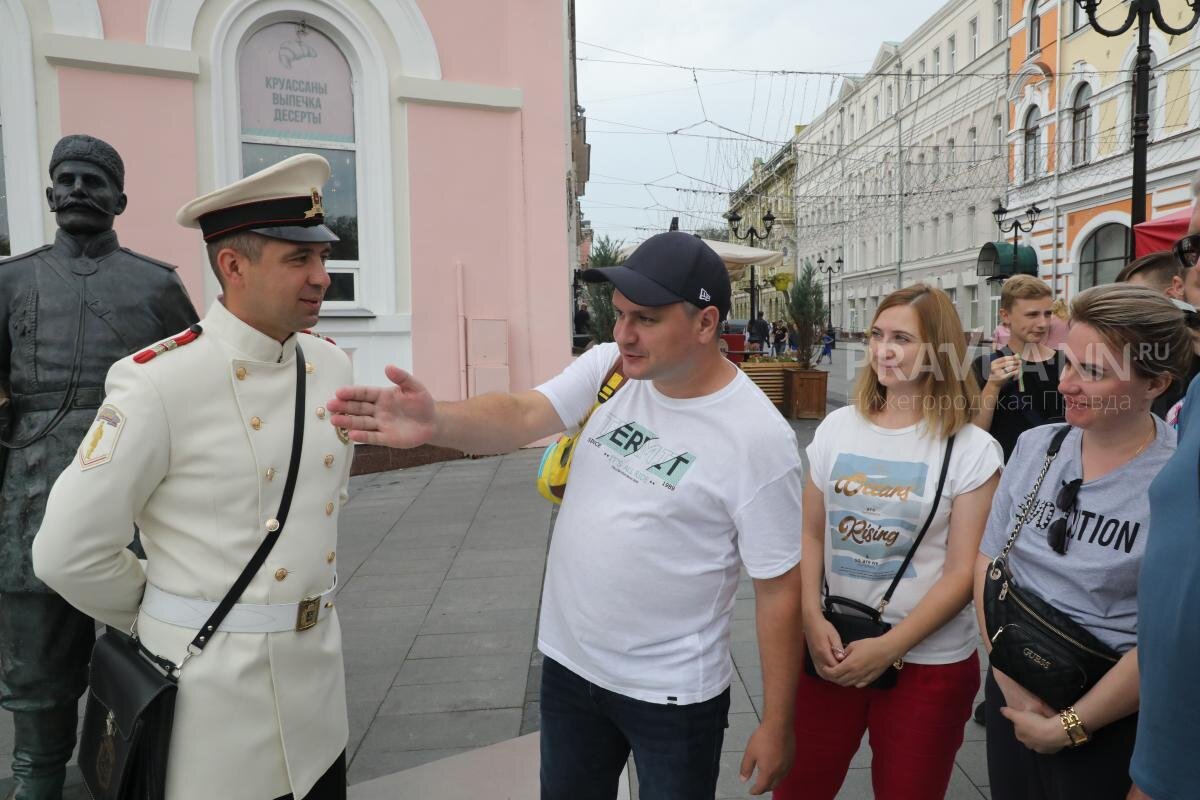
[(769, 377), (804, 393)]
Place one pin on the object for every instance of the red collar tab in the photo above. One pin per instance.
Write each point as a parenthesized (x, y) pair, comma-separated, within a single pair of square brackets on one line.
[(187, 337)]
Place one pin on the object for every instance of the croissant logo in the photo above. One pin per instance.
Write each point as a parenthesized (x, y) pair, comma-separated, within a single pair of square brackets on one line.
[(1041, 661)]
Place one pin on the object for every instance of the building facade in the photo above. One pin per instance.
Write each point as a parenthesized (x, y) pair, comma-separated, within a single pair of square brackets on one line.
[(449, 125), (898, 176), (1070, 138)]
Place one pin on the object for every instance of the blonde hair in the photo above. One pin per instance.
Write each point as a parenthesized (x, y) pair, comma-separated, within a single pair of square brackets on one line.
[(951, 394), (1060, 310), (1023, 287), (1141, 322)]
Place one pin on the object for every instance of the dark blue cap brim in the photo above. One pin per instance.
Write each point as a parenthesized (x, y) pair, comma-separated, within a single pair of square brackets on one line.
[(634, 285), (298, 233)]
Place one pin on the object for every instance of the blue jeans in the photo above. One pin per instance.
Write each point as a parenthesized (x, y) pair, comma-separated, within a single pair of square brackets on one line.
[(588, 732)]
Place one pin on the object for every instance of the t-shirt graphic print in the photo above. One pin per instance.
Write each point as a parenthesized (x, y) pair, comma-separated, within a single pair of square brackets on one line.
[(637, 453), (874, 515)]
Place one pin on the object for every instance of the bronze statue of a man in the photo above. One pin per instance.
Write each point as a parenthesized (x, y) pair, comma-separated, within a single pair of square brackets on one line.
[(68, 311)]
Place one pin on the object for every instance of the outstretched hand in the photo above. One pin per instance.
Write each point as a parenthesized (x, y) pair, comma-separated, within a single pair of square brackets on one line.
[(403, 415)]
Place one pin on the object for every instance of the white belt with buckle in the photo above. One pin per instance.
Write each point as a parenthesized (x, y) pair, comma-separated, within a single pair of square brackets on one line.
[(189, 612)]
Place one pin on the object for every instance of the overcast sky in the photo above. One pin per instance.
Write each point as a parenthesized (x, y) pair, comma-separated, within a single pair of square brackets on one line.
[(629, 105)]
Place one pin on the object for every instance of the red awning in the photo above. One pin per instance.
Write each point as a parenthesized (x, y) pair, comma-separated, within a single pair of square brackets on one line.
[(1161, 233)]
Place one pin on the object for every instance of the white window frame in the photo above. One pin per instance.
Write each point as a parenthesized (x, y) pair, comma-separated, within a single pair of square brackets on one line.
[(973, 38), (380, 224), (937, 64), (22, 172), (951, 54), (1001, 30)]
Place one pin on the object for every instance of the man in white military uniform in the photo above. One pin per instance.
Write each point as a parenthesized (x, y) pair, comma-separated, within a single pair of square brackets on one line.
[(192, 444)]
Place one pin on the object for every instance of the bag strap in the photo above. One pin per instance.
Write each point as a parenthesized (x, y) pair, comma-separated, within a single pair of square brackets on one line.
[(1031, 498), (912, 551), (264, 549), (937, 498), (613, 381)]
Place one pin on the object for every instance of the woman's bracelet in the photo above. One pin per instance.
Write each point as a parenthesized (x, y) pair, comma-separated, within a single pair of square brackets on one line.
[(1073, 727)]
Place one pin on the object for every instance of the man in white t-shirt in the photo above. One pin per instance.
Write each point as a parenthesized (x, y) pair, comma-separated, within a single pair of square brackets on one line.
[(686, 474)]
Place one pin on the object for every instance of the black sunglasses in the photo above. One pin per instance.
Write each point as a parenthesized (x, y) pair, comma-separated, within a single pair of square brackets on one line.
[(1187, 250), (1058, 535)]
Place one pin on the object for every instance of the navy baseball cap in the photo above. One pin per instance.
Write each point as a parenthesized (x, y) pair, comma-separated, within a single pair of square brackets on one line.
[(670, 268)]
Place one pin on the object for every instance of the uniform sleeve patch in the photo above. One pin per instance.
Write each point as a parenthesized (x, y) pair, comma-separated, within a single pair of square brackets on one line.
[(100, 443)]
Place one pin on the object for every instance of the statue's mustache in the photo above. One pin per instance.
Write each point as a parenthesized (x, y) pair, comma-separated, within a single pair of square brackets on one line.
[(79, 202)]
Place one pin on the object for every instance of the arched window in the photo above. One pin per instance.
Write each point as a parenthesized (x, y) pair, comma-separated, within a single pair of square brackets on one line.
[(297, 95), (1103, 254), (1035, 28), (1081, 125), (1033, 144)]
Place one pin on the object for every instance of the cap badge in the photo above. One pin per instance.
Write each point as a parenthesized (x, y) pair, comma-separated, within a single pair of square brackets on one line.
[(317, 208), (704, 295)]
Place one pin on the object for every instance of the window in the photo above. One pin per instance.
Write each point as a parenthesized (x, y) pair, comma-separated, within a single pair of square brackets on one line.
[(998, 127), (1033, 143), (875, 109), (973, 38), (935, 162), (890, 101), (851, 126), (951, 242), (999, 29), (937, 63), (972, 144), (921, 77), (1103, 254), (907, 85), (936, 239), (972, 223), (1078, 18), (972, 307), (921, 243), (951, 55), (1034, 28), (951, 157), (5, 240), (1081, 125), (297, 96)]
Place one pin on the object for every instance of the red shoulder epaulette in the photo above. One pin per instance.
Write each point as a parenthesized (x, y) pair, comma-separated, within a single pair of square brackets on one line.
[(187, 337), (311, 332)]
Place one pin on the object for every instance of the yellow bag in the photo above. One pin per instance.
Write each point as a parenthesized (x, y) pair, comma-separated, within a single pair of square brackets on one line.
[(556, 460)]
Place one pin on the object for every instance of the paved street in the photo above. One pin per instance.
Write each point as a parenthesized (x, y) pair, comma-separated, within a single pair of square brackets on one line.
[(441, 570)]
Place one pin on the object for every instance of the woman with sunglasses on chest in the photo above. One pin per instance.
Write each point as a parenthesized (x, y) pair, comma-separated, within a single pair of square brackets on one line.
[(1056, 578)]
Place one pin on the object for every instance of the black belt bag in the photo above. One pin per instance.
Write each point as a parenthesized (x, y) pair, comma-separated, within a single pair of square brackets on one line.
[(127, 722), (1034, 643), (860, 621)]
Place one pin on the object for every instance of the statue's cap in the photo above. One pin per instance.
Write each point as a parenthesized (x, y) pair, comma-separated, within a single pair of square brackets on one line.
[(81, 147), (282, 201)]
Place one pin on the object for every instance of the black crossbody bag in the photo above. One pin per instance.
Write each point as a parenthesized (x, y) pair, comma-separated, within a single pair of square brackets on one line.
[(1034, 643), (863, 622), (130, 709)]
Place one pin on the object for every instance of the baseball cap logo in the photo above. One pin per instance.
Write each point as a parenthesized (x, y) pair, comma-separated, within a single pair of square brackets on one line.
[(705, 296)]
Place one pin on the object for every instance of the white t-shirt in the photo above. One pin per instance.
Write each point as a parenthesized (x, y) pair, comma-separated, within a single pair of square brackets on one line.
[(878, 486), (665, 498)]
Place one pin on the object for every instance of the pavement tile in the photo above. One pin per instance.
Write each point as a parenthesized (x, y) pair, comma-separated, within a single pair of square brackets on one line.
[(746, 655), (375, 598), (738, 732), (743, 630), (739, 700), (972, 757), (481, 594), (506, 642), (857, 786), (961, 787), (413, 580), (463, 668), (404, 565), (371, 764), (507, 692), (492, 619), (393, 733)]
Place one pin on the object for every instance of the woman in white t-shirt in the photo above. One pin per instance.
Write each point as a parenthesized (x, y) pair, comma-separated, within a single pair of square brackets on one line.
[(874, 468)]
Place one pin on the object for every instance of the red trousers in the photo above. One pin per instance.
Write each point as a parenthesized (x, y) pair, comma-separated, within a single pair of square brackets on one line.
[(915, 731)]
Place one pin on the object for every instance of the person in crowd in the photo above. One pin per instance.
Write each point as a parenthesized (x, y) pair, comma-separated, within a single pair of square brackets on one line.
[(1082, 542), (826, 346), (1162, 272), (651, 506), (1020, 381), (1164, 764), (779, 337), (759, 331), (875, 470), (204, 422), (1000, 336), (1060, 316)]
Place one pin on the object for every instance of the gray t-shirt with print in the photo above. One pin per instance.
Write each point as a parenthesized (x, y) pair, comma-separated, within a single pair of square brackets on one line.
[(1095, 582)]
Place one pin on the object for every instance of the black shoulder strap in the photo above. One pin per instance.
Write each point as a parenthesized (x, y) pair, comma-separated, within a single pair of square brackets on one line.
[(1056, 442), (937, 497), (264, 549)]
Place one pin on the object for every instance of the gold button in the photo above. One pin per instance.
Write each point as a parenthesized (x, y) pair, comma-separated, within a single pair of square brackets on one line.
[(309, 368), (329, 513), (329, 460), (328, 604), (241, 373), (280, 574), (272, 525), (332, 555), (270, 473), (255, 423), (320, 412)]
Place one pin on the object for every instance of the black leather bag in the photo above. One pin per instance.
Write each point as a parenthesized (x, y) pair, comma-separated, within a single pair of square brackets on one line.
[(1034, 643), (130, 708), (864, 622)]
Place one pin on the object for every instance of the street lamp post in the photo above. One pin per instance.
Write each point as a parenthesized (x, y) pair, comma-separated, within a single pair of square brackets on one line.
[(1031, 214), (836, 266), (768, 220), (1142, 12)]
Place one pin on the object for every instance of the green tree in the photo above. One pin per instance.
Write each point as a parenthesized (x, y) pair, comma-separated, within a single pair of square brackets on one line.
[(714, 233), (606, 252), (806, 307)]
